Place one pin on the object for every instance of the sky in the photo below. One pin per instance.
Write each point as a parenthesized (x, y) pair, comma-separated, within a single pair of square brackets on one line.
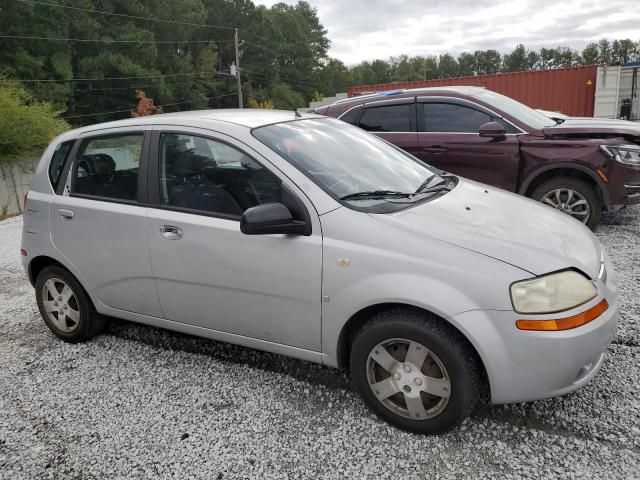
[(369, 29)]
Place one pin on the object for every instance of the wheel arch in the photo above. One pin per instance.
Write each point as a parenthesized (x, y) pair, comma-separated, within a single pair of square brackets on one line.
[(37, 264), (359, 318), (569, 169)]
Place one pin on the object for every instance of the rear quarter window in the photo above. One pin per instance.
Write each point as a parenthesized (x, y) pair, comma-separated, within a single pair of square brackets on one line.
[(351, 116), (57, 162)]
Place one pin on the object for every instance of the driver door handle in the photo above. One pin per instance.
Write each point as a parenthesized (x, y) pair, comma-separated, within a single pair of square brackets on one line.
[(65, 214), (170, 232)]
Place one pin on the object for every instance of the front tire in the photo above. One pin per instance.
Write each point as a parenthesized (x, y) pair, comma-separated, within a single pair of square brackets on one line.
[(573, 197), (65, 307), (414, 372)]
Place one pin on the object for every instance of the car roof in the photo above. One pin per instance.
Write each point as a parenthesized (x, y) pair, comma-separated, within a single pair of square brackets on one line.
[(247, 117), (406, 92)]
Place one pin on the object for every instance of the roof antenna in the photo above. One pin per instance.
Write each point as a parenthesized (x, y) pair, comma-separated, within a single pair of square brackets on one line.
[(297, 113)]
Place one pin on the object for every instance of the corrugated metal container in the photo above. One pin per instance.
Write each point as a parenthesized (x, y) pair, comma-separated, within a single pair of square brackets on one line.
[(567, 90)]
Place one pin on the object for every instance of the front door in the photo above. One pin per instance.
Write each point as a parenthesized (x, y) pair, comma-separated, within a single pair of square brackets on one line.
[(97, 221), (448, 139), (208, 273)]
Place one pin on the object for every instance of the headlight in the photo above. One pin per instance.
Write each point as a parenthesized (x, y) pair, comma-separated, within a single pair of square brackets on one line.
[(552, 293), (627, 154)]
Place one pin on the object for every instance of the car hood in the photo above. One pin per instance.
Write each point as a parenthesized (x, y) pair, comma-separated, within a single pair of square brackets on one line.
[(586, 125), (504, 226)]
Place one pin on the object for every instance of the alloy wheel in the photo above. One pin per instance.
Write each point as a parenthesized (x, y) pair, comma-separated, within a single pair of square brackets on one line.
[(408, 379), (61, 305), (568, 201)]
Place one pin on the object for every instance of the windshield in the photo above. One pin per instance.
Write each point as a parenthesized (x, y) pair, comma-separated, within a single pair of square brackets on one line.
[(517, 110), (355, 167)]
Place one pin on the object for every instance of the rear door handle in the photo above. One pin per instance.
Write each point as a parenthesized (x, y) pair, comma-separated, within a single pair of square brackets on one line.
[(436, 149), (65, 214), (170, 232)]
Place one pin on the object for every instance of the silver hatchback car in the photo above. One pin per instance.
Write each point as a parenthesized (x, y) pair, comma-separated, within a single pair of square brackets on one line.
[(305, 236)]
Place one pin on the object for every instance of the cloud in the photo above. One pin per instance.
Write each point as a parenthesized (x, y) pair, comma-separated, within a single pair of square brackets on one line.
[(370, 29)]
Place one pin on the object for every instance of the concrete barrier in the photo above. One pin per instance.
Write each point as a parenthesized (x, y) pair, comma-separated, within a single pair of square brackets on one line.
[(15, 179)]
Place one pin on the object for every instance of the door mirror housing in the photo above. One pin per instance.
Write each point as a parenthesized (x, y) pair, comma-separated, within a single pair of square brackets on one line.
[(492, 130), (270, 218)]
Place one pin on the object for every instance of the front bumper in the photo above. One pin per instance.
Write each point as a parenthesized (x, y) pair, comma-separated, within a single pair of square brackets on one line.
[(623, 185), (633, 193), (530, 365)]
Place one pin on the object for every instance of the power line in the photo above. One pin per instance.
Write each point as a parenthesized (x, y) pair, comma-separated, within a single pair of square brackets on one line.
[(89, 40), (117, 78), (202, 25), (163, 105)]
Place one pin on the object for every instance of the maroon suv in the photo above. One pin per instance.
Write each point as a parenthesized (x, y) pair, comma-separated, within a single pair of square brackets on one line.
[(582, 166)]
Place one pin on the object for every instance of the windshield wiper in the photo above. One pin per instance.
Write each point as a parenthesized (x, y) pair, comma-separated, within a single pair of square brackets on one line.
[(376, 194), (443, 185)]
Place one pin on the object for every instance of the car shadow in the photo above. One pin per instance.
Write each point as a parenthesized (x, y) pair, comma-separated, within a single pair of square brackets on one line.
[(227, 352)]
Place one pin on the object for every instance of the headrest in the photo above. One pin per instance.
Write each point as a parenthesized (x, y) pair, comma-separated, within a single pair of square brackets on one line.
[(100, 164), (186, 164)]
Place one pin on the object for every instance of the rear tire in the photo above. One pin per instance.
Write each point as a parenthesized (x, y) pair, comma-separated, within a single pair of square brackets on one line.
[(567, 194), (415, 372), (65, 307)]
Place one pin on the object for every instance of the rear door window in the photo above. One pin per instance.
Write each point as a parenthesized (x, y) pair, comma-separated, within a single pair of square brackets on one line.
[(388, 118), (107, 167)]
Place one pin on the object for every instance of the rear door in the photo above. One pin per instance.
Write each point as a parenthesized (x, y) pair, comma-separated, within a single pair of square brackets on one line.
[(208, 273), (393, 120), (98, 219), (448, 139)]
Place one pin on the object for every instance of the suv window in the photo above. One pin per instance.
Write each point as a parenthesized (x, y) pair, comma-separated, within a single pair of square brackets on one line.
[(351, 115), (107, 167), (198, 173), (57, 162), (447, 117), (389, 118)]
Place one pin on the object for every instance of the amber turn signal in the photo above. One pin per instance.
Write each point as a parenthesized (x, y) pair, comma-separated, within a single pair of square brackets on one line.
[(566, 323)]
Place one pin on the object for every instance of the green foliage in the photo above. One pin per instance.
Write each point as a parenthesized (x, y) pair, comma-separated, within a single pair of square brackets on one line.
[(26, 126), (285, 98)]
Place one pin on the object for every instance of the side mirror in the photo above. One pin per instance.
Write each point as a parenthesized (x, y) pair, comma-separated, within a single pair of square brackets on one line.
[(492, 130), (270, 218)]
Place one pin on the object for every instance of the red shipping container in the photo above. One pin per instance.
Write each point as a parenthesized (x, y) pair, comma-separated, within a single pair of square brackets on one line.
[(567, 90)]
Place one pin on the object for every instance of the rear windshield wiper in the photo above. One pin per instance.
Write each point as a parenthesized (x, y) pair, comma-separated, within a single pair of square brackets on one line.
[(376, 194)]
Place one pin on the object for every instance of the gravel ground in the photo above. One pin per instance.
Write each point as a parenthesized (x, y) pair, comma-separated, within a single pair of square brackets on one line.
[(140, 402)]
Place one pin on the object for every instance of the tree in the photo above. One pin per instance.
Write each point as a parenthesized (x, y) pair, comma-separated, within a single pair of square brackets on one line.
[(27, 126), (487, 61), (253, 103), (604, 50), (285, 98), (146, 106), (447, 66), (516, 61), (590, 54)]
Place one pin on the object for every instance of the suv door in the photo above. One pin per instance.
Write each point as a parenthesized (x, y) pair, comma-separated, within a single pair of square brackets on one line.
[(208, 273), (97, 219), (449, 139), (393, 120)]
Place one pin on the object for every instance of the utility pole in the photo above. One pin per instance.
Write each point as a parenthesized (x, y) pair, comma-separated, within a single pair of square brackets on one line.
[(235, 37)]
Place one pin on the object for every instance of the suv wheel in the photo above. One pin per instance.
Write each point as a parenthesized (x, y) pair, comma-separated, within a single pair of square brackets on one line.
[(573, 197), (414, 372), (65, 306)]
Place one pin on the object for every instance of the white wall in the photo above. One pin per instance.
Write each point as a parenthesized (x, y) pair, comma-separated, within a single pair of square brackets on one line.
[(15, 179)]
